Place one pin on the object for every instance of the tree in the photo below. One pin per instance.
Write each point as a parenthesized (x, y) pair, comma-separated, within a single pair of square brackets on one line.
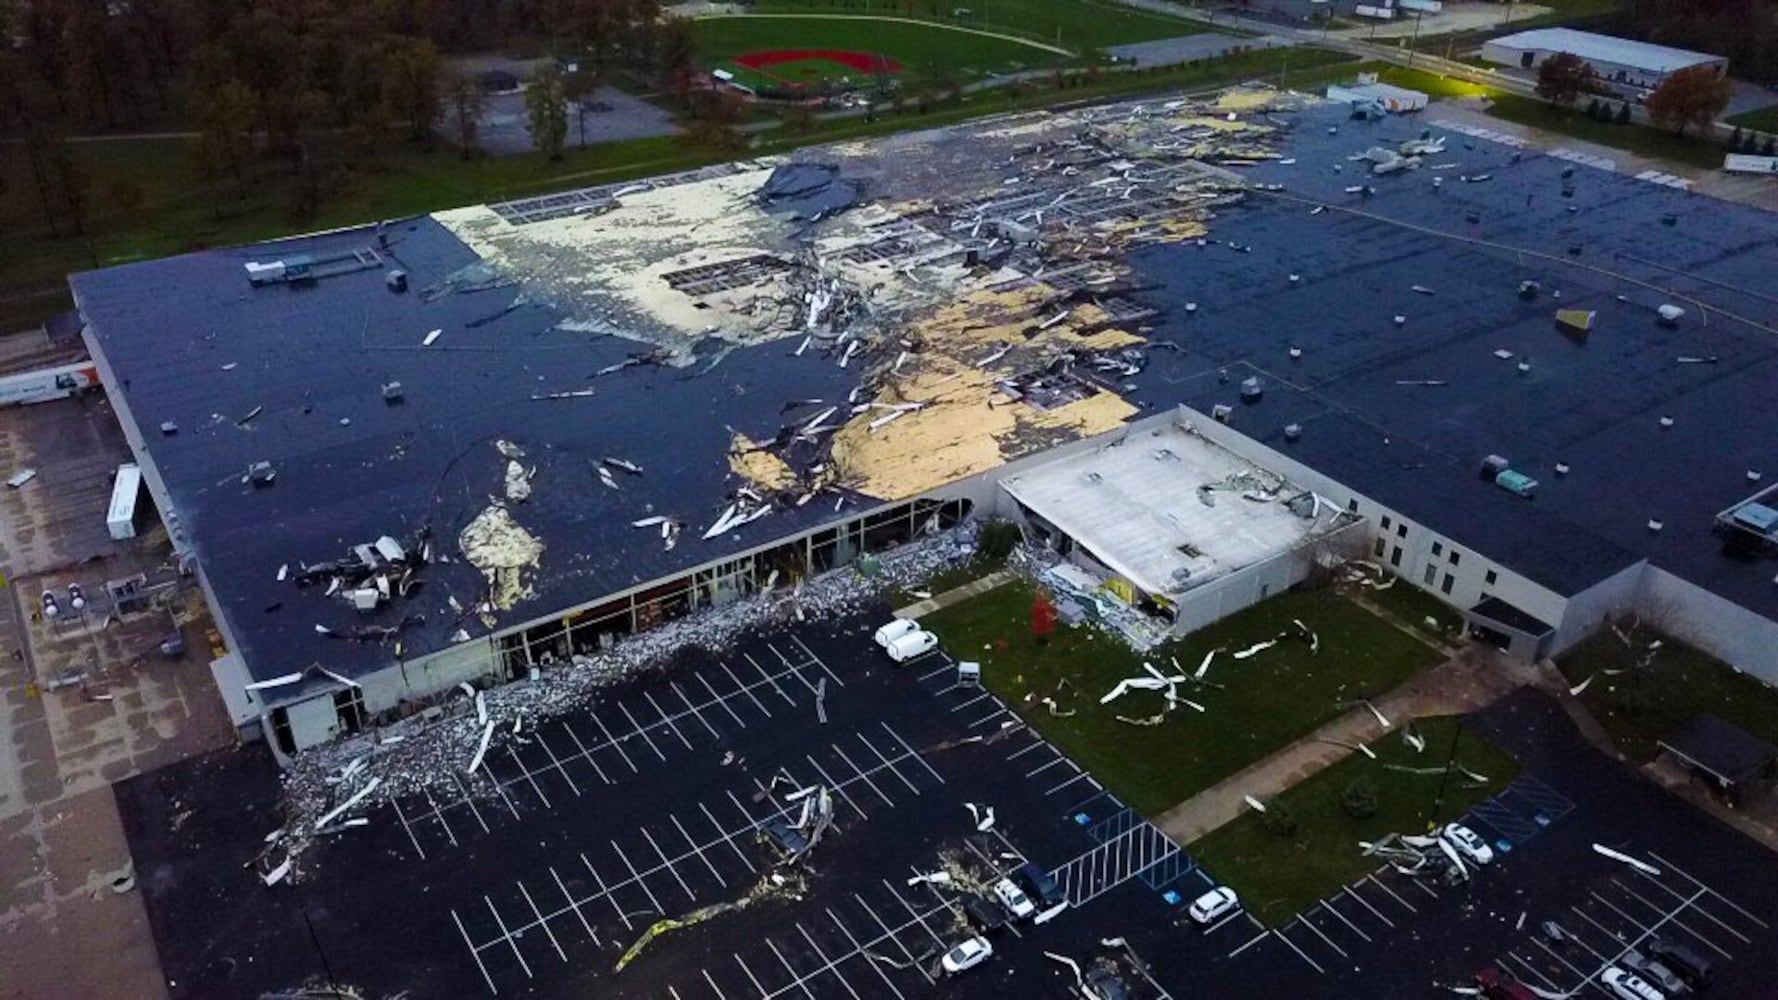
[(1593, 108), (1749, 145), (410, 85), (1623, 113), (1691, 96), (1043, 619), (1734, 143), (546, 105), (1770, 148), (578, 87), (715, 117), (676, 57), (1278, 820), (225, 133), (1563, 77), (466, 102)]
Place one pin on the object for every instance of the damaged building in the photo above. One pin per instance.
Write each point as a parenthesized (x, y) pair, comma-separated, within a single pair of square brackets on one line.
[(1198, 345)]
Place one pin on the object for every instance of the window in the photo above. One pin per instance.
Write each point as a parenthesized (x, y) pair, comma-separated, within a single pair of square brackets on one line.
[(1431, 575), (1377, 549), (1449, 581), (1352, 505), (1395, 557), (1385, 522), (1438, 548), (1401, 531), (1490, 577), (1456, 557)]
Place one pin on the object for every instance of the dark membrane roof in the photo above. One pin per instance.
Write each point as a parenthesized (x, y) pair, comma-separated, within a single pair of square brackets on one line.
[(170, 326), (1720, 747), (1500, 612)]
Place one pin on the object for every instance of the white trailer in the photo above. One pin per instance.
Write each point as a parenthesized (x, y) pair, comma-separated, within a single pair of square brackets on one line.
[(121, 518), (47, 383)]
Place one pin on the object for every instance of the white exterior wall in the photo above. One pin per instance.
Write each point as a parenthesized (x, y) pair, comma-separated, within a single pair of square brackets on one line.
[(1414, 541), (1239, 590), (1588, 610), (1721, 627), (1648, 79)]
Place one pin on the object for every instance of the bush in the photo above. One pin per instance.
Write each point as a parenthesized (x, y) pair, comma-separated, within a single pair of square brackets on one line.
[(1593, 108), (1770, 148), (1735, 140), (998, 539), (1278, 820), (1623, 113), (1359, 798)]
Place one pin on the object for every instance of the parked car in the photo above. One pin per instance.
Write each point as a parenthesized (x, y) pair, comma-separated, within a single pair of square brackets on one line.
[(908, 645), (966, 956), (1103, 984), (1014, 899), (1652, 970), (1691, 966), (785, 837), (985, 915), (1497, 985), (1214, 905), (1468, 843), (895, 630), (1041, 886), (1628, 986)]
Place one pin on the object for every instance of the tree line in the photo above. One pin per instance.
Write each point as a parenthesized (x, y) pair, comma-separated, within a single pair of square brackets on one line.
[(311, 89), (1746, 31)]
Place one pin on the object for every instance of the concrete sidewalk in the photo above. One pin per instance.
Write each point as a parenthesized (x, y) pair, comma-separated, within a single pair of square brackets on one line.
[(1472, 679), (953, 596)]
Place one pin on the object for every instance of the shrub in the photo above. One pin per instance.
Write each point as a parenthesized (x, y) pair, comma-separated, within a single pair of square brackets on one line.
[(1359, 798), (998, 539), (1623, 113), (1278, 819)]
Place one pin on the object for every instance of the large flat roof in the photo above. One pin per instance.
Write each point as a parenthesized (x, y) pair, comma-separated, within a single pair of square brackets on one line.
[(1171, 511), (1013, 284), (1606, 48)]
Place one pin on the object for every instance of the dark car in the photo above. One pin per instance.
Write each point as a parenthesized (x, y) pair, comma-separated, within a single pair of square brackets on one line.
[(787, 838), (1041, 886), (1103, 984), (985, 914), (1686, 963)]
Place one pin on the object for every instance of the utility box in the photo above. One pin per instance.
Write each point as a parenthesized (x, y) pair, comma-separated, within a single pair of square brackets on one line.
[(1516, 483)]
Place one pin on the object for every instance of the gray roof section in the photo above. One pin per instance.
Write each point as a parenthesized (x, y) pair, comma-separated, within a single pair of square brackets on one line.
[(1606, 48)]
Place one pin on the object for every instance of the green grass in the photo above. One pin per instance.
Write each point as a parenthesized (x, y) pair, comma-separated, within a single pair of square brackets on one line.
[(1277, 877), (1413, 606), (924, 50), (1270, 700), (1759, 119), (178, 212), (1643, 703), (949, 578), (1077, 25)]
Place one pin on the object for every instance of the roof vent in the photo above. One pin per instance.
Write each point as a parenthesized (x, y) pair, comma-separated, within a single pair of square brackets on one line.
[(1561, 468), (392, 393), (1528, 290), (1293, 432), (1296, 354), (1221, 411), (1753, 475), (1493, 466), (261, 473), (1669, 219), (1191, 307), (1524, 365), (1670, 314), (169, 428), (396, 281), (1252, 389), (1666, 422), (1295, 278), (1400, 319), (1654, 524)]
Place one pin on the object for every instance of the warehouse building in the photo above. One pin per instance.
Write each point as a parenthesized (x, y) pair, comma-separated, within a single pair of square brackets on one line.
[(1619, 60), (463, 447)]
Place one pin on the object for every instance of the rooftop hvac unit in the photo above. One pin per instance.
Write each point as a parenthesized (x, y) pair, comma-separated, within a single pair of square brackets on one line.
[(1293, 432), (1252, 389), (1221, 412), (396, 280), (1516, 483), (1493, 466)]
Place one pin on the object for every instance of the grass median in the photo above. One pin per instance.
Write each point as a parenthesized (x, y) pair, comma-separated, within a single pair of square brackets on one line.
[(1258, 705), (1279, 875)]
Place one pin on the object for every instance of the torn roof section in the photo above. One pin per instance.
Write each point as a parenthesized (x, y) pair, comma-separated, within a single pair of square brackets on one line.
[(1171, 511)]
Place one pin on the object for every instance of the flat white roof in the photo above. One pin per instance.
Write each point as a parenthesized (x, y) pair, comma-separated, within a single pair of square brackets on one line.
[(1140, 506), (1606, 48), (1377, 90)]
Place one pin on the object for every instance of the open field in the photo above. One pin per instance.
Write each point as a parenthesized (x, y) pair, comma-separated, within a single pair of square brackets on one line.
[(1261, 704), (1077, 25), (922, 49), (1278, 876)]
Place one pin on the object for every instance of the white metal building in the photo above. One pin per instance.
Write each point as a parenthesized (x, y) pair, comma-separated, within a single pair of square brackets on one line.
[(1619, 60)]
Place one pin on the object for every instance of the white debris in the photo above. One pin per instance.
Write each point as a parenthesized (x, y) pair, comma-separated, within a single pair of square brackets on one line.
[(1582, 686), (481, 750), (356, 798), (1256, 648), (1257, 805), (930, 878), (1646, 869), (431, 338), (983, 816)]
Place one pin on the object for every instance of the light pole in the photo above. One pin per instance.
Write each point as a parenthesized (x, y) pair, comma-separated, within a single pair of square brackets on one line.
[(1450, 759), (1414, 40)]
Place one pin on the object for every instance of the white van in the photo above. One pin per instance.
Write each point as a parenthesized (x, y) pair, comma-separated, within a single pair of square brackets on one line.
[(909, 645)]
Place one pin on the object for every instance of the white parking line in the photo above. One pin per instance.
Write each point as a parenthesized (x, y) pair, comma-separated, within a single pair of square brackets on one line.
[(794, 671), (762, 672), (612, 741), (668, 865), (1645, 901), (839, 787), (668, 719), (859, 949), (636, 877), (699, 851), (507, 935), (816, 660), (958, 708), (829, 965), (477, 955), (1044, 767), (713, 987), (436, 814), (1726, 900), (1713, 918), (605, 891), (585, 754), (510, 752), (694, 709), (1408, 906), (1342, 918), (716, 699), (584, 922), (1366, 904), (640, 730), (990, 717), (1035, 744), (751, 976), (539, 914), (1586, 978), (1535, 971), (934, 672), (796, 979), (558, 763), (892, 768), (1318, 933), (1256, 939), (410, 830), (745, 689), (1279, 934), (912, 752), (1078, 777)]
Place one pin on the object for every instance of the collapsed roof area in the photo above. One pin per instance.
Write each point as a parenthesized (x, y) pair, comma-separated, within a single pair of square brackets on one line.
[(1171, 511), (544, 402)]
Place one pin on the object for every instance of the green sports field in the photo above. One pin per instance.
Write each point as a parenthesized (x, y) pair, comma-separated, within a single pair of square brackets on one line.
[(923, 50), (1076, 25)]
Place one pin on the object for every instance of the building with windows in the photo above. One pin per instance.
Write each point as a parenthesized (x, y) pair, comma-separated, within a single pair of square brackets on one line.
[(1619, 60), (461, 447)]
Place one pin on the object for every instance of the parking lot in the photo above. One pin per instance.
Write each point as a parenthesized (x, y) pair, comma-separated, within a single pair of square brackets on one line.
[(595, 827)]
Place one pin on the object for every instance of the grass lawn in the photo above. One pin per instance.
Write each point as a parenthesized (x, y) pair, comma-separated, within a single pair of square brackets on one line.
[(924, 50), (1077, 25), (1278, 876), (1759, 119), (1269, 701), (1413, 605), (1645, 703)]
